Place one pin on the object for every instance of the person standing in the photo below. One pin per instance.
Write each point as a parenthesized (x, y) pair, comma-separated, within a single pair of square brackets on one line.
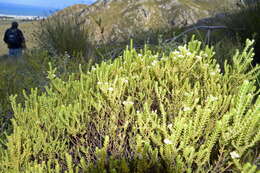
[(15, 40)]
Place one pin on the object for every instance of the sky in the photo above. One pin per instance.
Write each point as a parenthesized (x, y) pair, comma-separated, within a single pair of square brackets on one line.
[(48, 3)]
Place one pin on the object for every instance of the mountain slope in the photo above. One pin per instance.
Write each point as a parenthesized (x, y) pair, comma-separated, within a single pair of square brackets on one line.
[(117, 19)]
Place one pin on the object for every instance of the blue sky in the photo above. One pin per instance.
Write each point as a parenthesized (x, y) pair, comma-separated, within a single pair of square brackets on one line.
[(49, 3)]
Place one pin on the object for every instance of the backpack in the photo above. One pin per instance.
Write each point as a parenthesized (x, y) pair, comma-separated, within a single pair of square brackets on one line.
[(13, 37)]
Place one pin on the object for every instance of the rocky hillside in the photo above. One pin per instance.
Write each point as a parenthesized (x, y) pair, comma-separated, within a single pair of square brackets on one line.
[(117, 19)]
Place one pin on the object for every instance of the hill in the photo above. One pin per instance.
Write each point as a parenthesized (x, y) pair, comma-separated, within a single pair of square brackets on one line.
[(117, 19)]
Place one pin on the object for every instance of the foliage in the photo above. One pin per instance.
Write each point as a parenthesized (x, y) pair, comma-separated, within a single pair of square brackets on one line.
[(155, 40), (28, 72), (14, 73), (141, 113), (64, 35), (246, 23)]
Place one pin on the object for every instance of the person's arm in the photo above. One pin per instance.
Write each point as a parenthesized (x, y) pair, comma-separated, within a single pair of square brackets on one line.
[(22, 39), (21, 36), (5, 37)]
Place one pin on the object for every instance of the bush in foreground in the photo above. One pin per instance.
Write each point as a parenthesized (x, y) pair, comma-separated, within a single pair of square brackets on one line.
[(28, 72), (141, 113)]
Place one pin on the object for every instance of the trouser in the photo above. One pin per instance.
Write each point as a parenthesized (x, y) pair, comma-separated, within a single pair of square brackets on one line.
[(15, 52)]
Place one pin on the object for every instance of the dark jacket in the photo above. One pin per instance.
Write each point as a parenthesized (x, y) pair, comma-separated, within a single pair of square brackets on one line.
[(20, 41)]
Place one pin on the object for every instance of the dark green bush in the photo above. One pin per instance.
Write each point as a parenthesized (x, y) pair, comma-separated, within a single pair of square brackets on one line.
[(246, 23), (64, 35), (141, 113)]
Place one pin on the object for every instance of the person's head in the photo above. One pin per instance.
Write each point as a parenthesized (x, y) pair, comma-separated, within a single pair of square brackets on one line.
[(14, 25)]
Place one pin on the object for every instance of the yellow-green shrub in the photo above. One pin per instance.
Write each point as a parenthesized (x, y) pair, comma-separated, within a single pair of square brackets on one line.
[(21, 74), (141, 113), (28, 72), (17, 75)]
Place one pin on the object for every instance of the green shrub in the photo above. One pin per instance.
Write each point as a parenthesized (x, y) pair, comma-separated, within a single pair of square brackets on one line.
[(245, 20), (64, 35), (28, 72), (20, 74), (141, 113), (155, 40), (17, 75)]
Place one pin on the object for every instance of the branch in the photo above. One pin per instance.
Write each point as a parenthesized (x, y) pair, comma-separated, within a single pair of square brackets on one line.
[(197, 28)]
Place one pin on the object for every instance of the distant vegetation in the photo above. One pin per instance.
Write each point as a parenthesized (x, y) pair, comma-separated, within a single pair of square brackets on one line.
[(148, 103)]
